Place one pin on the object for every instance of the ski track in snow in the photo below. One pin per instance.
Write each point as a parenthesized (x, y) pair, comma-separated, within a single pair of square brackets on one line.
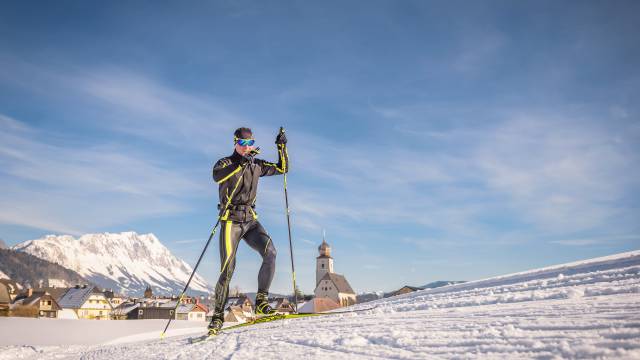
[(589, 309)]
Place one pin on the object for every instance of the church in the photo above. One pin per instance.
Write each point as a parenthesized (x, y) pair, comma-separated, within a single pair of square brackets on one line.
[(329, 284)]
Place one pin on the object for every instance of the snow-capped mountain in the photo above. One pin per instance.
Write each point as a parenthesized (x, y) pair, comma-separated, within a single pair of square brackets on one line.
[(125, 262)]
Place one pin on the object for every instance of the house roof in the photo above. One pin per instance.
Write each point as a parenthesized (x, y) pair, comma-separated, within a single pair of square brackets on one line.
[(317, 305), (74, 298), (56, 292), (412, 288), (340, 282), (30, 300), (187, 308), (169, 304), (125, 308), (35, 298)]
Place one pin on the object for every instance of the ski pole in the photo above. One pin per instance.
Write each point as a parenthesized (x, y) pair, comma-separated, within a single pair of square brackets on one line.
[(286, 201), (213, 232)]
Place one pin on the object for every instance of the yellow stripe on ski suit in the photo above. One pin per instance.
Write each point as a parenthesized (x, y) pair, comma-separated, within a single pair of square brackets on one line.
[(281, 150), (230, 175), (227, 243)]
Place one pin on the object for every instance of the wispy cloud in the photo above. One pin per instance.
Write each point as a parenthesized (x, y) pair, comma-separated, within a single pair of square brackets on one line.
[(527, 178), (60, 187), (188, 241), (599, 240), (128, 102)]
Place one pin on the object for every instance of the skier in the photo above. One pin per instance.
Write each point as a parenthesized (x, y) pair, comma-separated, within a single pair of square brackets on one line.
[(240, 220)]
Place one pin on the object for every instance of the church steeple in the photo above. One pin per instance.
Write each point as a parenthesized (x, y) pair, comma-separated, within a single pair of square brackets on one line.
[(148, 293), (324, 262), (324, 249)]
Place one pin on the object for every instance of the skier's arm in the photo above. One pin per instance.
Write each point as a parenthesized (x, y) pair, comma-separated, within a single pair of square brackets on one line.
[(223, 170), (269, 168)]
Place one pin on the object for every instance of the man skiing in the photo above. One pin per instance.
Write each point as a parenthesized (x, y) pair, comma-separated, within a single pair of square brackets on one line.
[(240, 220)]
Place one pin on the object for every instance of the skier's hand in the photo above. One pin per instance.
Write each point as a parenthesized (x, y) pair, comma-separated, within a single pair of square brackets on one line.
[(281, 139), (248, 158)]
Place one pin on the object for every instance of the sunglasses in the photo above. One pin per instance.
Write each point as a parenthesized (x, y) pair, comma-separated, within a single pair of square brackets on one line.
[(245, 142)]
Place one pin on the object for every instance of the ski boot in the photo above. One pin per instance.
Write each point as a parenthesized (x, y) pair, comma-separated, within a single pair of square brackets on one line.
[(262, 305), (215, 326)]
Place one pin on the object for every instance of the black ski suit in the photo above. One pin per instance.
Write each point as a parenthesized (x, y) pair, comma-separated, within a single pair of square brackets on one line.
[(240, 220)]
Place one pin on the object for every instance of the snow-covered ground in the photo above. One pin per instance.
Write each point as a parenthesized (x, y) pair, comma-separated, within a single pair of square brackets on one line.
[(588, 309)]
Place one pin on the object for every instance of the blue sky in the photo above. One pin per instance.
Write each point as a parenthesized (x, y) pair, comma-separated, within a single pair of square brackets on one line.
[(432, 140)]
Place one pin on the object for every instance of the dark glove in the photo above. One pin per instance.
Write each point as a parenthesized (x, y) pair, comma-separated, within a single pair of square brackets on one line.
[(281, 139), (250, 157)]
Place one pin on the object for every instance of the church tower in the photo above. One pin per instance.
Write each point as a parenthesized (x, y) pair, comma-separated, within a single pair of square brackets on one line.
[(148, 293), (324, 262)]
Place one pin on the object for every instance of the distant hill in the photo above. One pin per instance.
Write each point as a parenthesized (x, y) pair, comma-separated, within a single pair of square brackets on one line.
[(3, 245), (28, 270)]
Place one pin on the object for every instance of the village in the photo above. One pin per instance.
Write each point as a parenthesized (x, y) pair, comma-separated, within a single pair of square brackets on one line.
[(85, 301)]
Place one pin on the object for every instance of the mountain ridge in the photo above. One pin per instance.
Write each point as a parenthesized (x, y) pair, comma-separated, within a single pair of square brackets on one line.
[(31, 271), (127, 262)]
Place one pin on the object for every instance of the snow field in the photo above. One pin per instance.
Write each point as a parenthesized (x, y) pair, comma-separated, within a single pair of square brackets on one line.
[(583, 310)]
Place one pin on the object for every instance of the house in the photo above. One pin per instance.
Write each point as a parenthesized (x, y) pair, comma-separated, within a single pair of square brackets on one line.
[(12, 288), (125, 311), (156, 309), (57, 283), (86, 302), (242, 301), (5, 300), (191, 312), (282, 305), (403, 290), (317, 305), (329, 284), (235, 314), (114, 298), (56, 292), (237, 309), (43, 304)]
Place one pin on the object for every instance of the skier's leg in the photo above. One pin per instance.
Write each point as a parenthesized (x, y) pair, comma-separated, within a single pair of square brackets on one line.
[(230, 234), (260, 241)]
